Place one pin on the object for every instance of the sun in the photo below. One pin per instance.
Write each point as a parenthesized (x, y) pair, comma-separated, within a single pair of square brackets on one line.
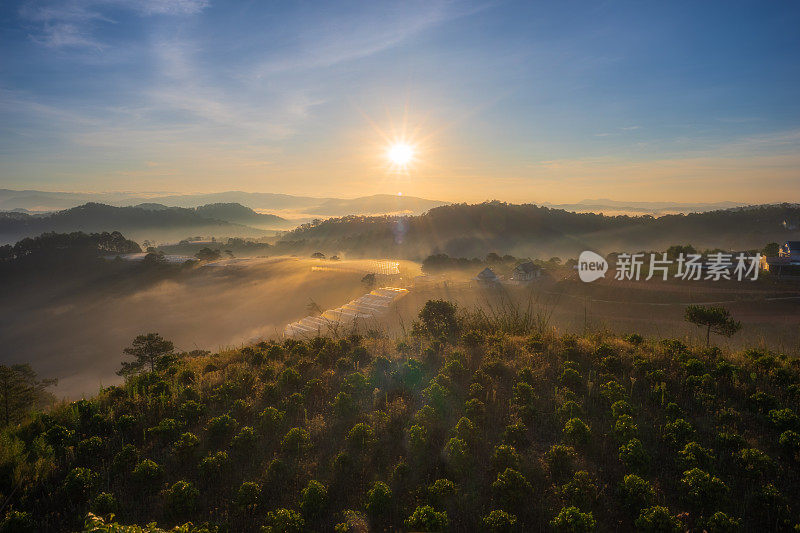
[(400, 154)]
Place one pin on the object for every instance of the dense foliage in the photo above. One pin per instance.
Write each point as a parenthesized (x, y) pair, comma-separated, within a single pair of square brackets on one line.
[(456, 427), (469, 230)]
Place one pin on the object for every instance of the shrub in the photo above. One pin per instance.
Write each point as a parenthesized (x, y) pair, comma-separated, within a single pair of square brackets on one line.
[(147, 473), (313, 500), (181, 498), (719, 522), (214, 466), (505, 456), (89, 450), (576, 432), (284, 521), (621, 407), (677, 432), (693, 455), (560, 460), (784, 419), (104, 503), (79, 483), (457, 456), (571, 519), (633, 455), (186, 445), (441, 492), (379, 504), (790, 442), (296, 442), (245, 441), (425, 518), (657, 519), (636, 492), (581, 491), (221, 428), (624, 428), (248, 494), (17, 522), (499, 521), (512, 489), (754, 462), (360, 438), (702, 488)]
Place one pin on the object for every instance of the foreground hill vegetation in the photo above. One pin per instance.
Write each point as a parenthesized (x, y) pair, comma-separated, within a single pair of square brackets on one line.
[(469, 423)]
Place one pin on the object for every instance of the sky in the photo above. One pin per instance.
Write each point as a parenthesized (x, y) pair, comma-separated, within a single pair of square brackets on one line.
[(555, 101)]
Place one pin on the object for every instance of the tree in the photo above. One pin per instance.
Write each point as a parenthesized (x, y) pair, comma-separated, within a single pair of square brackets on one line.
[(438, 319), (715, 319), (208, 254), (425, 518), (313, 500), (771, 249), (149, 350), (573, 520), (21, 391), (657, 519)]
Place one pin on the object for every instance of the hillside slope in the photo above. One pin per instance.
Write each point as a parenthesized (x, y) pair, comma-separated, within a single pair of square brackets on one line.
[(487, 431), (474, 230), (148, 222)]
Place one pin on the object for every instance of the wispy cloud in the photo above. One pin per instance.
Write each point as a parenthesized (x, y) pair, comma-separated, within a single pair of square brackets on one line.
[(73, 23)]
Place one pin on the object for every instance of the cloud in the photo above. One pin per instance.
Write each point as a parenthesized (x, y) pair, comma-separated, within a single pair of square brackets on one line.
[(73, 23)]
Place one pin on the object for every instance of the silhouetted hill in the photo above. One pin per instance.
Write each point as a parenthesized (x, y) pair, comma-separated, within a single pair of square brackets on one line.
[(137, 222), (474, 230), (311, 206), (238, 214)]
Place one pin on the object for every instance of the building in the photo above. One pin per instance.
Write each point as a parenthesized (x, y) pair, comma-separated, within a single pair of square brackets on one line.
[(790, 249), (525, 272), (487, 276), (786, 263)]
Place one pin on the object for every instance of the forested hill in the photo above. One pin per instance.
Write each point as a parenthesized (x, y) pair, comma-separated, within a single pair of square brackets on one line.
[(467, 230), (151, 221), (469, 424)]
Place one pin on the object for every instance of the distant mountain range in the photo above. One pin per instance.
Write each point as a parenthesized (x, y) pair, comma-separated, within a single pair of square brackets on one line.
[(306, 206), (604, 205), (150, 221)]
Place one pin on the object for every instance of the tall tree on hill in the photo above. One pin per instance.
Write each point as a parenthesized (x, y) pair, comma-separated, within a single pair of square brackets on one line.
[(21, 391), (148, 351), (715, 319)]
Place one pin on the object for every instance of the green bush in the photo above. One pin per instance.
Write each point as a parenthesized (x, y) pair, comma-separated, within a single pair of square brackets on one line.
[(636, 493), (633, 455), (181, 498), (248, 495), (313, 500), (104, 504), (719, 522), (425, 518), (512, 490), (703, 489), (499, 521), (284, 521), (657, 519), (379, 504), (572, 520), (581, 490), (576, 432), (79, 483)]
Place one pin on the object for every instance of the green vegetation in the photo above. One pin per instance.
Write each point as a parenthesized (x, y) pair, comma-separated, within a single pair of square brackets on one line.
[(467, 424)]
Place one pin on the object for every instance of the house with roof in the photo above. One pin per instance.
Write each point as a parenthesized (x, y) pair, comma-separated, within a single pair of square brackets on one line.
[(487, 277), (525, 272)]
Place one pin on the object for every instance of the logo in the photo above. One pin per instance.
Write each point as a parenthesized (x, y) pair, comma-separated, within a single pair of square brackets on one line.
[(591, 266)]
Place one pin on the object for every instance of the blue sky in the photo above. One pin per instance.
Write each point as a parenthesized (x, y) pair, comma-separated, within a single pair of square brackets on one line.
[(519, 101)]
